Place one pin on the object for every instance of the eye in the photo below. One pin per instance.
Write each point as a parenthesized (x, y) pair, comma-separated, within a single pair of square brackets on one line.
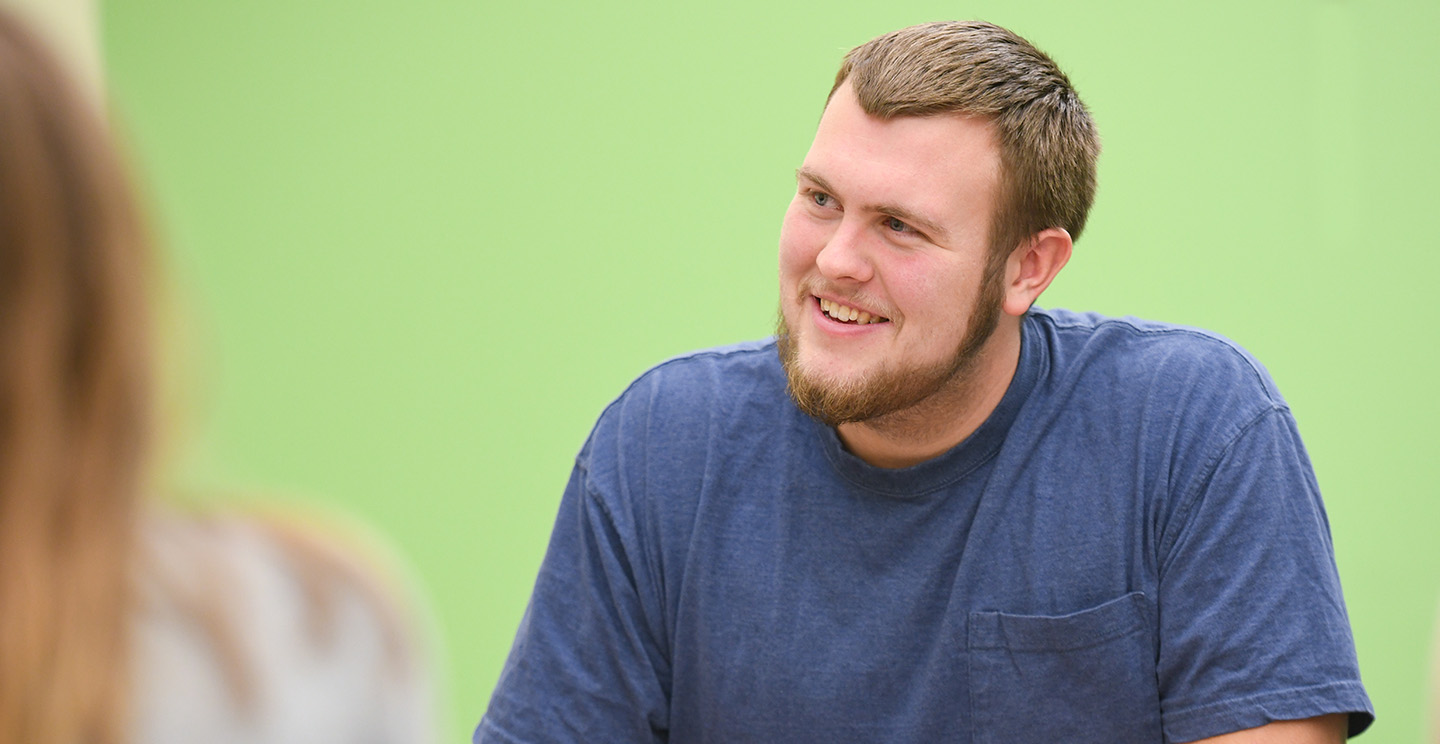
[(822, 199), (894, 224)]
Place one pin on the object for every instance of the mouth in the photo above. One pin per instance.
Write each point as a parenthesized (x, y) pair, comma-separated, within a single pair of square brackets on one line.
[(848, 315)]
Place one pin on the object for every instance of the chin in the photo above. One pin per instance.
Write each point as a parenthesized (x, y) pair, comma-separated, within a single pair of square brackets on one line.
[(829, 370)]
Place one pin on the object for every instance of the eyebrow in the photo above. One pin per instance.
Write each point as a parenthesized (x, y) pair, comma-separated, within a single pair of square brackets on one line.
[(890, 210)]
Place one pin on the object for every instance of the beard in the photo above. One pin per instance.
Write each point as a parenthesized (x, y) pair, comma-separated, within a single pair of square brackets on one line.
[(891, 388)]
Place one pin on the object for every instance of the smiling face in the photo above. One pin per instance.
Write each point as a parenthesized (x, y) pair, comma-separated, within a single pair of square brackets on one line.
[(885, 297)]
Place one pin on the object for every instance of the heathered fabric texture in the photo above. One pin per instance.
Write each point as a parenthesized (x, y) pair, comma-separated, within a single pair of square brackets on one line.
[(1131, 548)]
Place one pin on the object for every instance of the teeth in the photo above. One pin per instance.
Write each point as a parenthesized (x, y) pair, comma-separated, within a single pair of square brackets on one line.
[(848, 314)]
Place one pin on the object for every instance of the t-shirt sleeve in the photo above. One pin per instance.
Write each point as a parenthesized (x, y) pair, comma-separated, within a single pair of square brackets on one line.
[(587, 663), (1253, 626)]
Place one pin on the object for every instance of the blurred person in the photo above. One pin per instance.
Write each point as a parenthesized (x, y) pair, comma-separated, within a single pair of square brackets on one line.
[(122, 621), (1434, 681), (928, 510)]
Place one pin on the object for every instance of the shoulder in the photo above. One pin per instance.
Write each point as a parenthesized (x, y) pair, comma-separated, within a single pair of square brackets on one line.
[(1129, 357), (699, 375), (703, 386), (268, 628), (652, 445)]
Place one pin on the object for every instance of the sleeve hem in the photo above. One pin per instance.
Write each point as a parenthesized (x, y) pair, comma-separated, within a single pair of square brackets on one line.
[(489, 732), (1227, 716)]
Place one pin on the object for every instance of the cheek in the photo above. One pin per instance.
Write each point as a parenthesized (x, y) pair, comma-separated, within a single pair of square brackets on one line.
[(935, 296), (800, 241)]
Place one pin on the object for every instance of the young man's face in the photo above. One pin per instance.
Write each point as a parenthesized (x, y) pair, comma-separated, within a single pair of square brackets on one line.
[(882, 255)]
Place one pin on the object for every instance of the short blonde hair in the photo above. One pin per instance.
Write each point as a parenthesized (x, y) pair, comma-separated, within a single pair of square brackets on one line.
[(1047, 139)]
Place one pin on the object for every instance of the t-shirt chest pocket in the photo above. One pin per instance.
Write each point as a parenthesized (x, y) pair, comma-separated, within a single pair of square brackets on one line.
[(1080, 677)]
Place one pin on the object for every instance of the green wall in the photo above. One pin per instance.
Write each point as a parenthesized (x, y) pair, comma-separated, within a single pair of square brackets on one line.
[(416, 247)]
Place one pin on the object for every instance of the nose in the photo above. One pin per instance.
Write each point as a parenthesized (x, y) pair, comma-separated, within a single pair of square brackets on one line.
[(845, 256)]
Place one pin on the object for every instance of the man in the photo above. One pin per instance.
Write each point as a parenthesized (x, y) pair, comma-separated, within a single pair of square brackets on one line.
[(927, 511)]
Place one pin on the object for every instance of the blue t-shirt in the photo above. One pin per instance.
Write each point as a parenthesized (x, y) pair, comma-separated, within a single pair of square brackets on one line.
[(1131, 548)]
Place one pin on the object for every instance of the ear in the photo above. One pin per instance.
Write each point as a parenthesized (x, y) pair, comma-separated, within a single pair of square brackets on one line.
[(1032, 266)]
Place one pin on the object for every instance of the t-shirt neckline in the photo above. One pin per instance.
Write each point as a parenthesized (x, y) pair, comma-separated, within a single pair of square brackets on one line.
[(960, 461)]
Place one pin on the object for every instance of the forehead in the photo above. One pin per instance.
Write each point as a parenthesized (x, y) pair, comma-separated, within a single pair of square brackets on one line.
[(946, 166)]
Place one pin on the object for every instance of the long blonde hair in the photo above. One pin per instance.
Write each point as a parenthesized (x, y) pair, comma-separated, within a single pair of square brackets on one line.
[(74, 405)]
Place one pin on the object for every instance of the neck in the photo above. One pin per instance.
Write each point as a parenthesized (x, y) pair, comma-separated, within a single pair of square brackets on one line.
[(933, 426)]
